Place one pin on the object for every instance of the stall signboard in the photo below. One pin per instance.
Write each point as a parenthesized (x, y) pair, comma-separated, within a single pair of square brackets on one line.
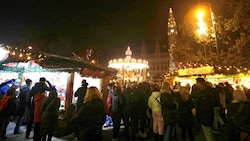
[(196, 71)]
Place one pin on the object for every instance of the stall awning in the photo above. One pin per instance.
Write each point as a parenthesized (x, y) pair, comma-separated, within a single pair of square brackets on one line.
[(62, 63)]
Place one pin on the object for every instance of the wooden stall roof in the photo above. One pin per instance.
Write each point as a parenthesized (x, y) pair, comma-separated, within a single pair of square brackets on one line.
[(62, 63)]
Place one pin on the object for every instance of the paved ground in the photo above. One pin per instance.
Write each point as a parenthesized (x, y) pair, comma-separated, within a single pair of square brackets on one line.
[(107, 135)]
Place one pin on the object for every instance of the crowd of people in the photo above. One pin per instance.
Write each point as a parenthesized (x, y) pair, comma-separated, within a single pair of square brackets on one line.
[(37, 107), (214, 109), (145, 109)]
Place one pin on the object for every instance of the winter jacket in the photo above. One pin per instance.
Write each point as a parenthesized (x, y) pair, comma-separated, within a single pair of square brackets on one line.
[(154, 102), (38, 100), (170, 105), (185, 113), (204, 107), (49, 110), (91, 117)]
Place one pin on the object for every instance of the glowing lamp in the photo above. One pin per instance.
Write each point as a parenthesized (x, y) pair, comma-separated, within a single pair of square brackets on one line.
[(3, 54)]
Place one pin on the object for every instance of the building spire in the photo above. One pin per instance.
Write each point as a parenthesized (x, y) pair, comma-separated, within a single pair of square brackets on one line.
[(172, 35)]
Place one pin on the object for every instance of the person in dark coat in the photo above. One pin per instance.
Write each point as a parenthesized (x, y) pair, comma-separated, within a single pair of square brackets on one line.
[(204, 108), (142, 95), (7, 112), (91, 116), (21, 104), (80, 94), (186, 122), (49, 110), (118, 113), (42, 84), (170, 107)]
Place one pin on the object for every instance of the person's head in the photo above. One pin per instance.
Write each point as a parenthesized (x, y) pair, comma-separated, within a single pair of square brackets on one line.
[(92, 93), (183, 90), (17, 82), (28, 82), (165, 87), (42, 79), (200, 83), (84, 83), (155, 87), (110, 86)]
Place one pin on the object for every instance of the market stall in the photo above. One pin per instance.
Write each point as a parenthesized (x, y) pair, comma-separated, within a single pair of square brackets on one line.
[(64, 72), (214, 74)]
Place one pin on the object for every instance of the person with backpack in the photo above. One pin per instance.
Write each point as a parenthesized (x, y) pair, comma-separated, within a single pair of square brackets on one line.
[(154, 103), (7, 111)]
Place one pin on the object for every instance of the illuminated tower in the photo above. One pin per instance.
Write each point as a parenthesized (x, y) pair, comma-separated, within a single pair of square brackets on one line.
[(172, 35)]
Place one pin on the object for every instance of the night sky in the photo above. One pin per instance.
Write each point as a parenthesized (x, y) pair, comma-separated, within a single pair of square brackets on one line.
[(108, 27)]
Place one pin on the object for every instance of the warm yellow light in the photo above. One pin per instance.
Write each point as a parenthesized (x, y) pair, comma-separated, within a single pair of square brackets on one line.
[(92, 61), (20, 55), (202, 26), (28, 57), (200, 15), (29, 47)]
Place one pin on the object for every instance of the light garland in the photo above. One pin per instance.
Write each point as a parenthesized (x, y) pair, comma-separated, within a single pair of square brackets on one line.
[(218, 69)]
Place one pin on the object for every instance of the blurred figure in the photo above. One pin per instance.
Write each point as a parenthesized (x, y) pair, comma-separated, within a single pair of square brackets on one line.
[(5, 86), (204, 108), (229, 92), (109, 120), (91, 116), (80, 94), (248, 94), (155, 104), (142, 94), (22, 104), (42, 84), (38, 100), (186, 122), (7, 112), (170, 106), (49, 110), (239, 94), (118, 103)]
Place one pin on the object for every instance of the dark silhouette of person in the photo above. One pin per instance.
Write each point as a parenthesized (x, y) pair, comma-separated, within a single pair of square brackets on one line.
[(30, 103), (80, 94), (21, 104)]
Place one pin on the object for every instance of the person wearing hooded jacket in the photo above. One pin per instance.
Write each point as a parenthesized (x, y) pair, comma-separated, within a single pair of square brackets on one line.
[(49, 110), (155, 105), (38, 100), (46, 86)]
